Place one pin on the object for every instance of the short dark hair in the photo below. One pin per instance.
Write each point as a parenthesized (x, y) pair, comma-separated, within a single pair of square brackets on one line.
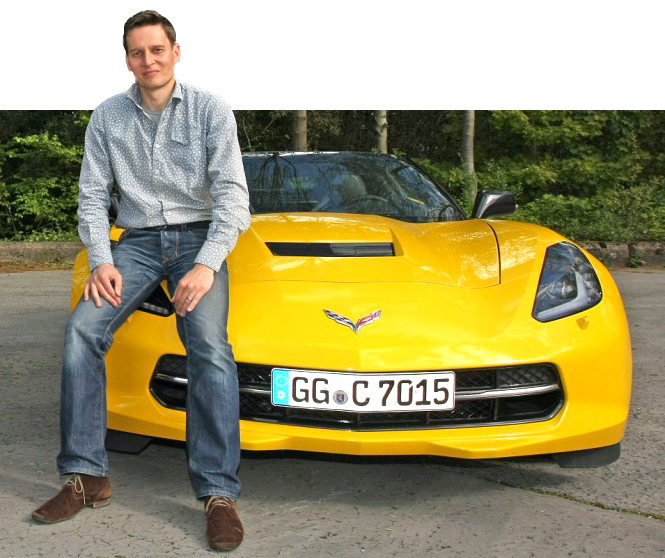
[(148, 17)]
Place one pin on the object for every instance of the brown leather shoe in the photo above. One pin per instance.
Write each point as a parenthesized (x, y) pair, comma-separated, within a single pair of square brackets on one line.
[(78, 492), (225, 530)]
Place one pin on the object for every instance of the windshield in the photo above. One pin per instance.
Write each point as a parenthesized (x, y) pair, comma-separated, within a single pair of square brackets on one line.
[(365, 183)]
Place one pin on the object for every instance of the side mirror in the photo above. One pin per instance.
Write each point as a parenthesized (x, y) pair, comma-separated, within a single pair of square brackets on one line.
[(493, 202)]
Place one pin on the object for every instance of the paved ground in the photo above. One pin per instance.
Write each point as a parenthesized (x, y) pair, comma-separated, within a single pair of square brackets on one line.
[(297, 505)]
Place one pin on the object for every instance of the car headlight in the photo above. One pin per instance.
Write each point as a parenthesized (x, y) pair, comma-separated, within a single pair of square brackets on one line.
[(568, 284)]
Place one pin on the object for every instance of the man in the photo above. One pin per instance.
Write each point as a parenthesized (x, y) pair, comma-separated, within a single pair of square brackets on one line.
[(173, 152)]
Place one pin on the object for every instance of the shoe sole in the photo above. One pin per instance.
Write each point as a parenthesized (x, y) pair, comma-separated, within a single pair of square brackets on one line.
[(224, 548), (95, 504)]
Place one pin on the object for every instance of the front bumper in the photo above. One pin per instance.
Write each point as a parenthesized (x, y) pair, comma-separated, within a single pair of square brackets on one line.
[(594, 413), (590, 351)]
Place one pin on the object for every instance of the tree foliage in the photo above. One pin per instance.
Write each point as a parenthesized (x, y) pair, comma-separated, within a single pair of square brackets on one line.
[(38, 187), (590, 174)]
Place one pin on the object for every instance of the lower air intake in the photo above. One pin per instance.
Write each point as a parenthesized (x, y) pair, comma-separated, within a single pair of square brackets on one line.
[(485, 396)]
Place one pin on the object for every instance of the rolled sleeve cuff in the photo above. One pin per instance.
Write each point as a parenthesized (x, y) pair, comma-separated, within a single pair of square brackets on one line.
[(99, 254), (212, 255)]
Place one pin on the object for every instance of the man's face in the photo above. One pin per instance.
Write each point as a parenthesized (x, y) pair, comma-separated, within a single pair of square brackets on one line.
[(150, 56)]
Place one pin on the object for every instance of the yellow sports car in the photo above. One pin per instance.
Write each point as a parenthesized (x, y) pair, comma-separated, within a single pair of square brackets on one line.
[(370, 316)]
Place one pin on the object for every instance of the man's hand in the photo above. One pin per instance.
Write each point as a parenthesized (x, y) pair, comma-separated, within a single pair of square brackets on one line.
[(191, 288), (105, 281)]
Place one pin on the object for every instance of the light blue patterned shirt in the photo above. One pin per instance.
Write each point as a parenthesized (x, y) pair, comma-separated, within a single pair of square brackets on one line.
[(186, 168)]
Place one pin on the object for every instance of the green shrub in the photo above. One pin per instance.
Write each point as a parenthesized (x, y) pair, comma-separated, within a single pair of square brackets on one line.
[(620, 215), (39, 187)]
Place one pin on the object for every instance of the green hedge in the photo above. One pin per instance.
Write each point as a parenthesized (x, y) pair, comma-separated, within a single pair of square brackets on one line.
[(620, 214), (591, 175), (38, 191)]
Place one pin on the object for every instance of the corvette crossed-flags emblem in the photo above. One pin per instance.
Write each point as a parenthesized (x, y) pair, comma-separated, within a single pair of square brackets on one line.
[(362, 322)]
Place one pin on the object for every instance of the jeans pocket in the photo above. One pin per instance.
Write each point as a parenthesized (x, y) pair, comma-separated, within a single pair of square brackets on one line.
[(199, 235), (191, 240), (125, 233)]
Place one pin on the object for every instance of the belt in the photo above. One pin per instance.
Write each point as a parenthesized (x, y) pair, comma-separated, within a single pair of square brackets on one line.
[(178, 227)]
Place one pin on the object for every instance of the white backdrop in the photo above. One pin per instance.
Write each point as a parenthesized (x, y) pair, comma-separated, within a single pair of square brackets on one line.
[(353, 54)]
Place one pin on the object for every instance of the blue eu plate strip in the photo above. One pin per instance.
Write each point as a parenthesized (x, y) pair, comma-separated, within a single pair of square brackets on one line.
[(280, 387)]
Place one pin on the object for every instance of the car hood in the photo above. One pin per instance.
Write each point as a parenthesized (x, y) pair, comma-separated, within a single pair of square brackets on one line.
[(459, 253)]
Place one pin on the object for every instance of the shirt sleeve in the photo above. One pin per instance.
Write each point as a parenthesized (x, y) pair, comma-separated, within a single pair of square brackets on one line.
[(95, 185), (230, 197)]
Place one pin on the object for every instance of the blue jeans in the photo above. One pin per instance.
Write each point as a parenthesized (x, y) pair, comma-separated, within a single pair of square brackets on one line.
[(145, 258)]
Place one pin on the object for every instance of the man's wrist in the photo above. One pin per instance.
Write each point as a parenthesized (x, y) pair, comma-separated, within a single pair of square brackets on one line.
[(98, 265), (99, 253), (204, 267), (212, 254)]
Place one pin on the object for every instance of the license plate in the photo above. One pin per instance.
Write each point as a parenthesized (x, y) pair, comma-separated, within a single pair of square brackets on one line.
[(370, 393)]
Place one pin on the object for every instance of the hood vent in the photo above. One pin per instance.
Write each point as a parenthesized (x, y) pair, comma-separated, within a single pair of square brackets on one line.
[(332, 250)]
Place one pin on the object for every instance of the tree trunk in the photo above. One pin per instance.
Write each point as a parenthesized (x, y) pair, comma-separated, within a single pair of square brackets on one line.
[(467, 153), (299, 131), (381, 130)]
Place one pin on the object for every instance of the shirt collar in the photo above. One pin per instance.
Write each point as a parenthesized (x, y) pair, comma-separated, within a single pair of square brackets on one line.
[(134, 93)]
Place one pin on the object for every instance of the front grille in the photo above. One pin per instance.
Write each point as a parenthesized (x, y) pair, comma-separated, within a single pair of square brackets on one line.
[(483, 396)]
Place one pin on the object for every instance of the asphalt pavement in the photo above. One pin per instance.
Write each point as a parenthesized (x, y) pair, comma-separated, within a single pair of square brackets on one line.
[(297, 505)]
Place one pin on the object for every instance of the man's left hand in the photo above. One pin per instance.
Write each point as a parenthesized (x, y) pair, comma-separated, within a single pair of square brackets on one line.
[(191, 288)]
